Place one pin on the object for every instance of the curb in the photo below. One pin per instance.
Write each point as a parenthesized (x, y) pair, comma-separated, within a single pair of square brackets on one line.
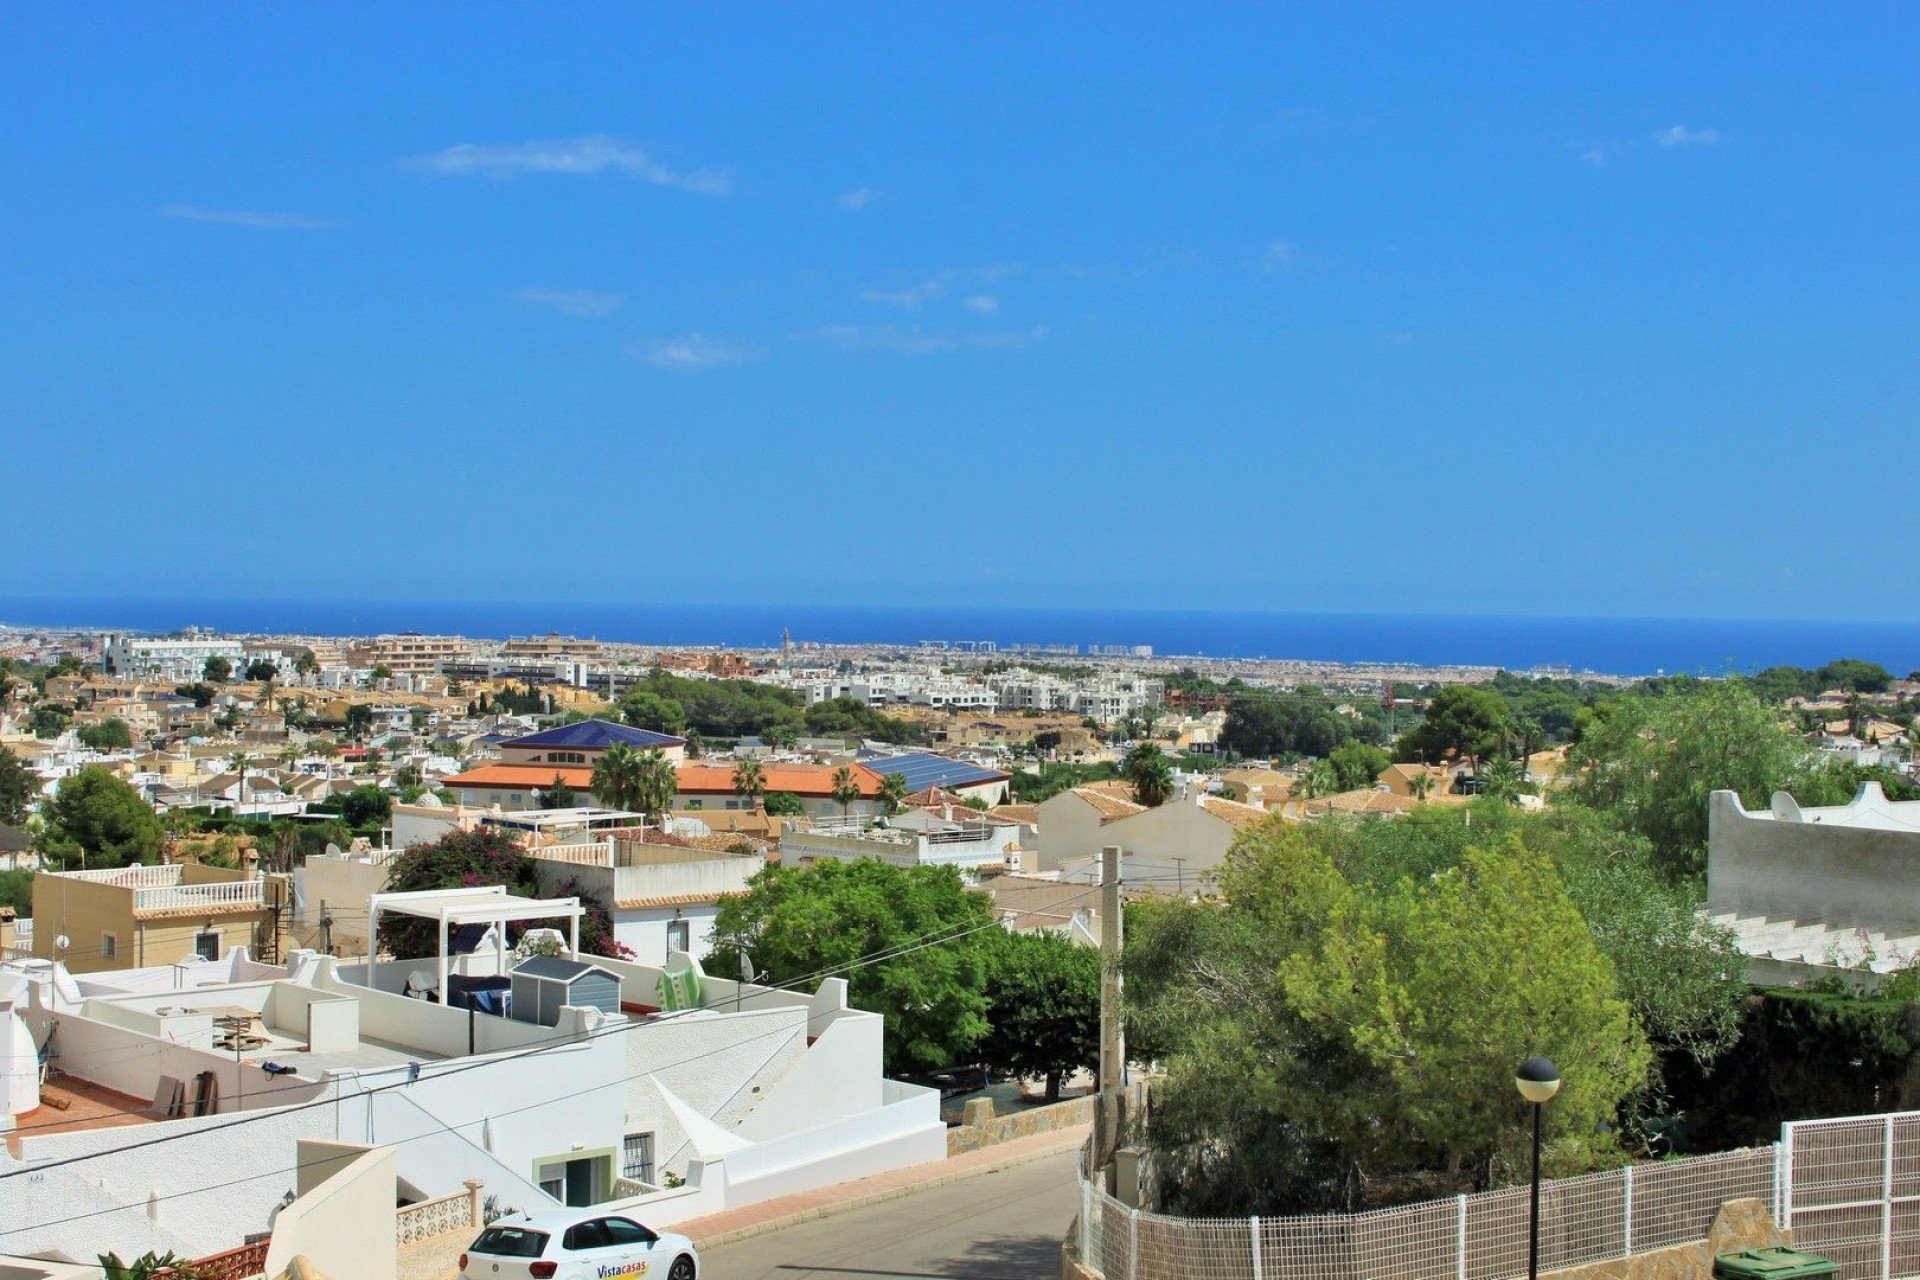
[(799, 1216)]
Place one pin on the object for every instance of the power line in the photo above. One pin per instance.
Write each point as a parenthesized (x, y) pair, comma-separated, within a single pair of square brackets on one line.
[(881, 956), (926, 941)]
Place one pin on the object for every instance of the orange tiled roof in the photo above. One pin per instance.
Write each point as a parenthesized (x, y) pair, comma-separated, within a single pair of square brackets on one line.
[(800, 779), (1368, 801), (1239, 815), (678, 899), (523, 776), (1108, 805)]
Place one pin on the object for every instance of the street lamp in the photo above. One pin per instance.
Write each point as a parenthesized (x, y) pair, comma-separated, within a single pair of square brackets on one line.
[(1538, 1080)]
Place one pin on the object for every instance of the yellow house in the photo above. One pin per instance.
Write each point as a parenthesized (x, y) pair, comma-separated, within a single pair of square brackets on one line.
[(1401, 780), (133, 917), (1268, 788)]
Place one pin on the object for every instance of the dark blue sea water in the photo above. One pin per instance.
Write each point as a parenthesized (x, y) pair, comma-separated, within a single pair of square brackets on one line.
[(1631, 646)]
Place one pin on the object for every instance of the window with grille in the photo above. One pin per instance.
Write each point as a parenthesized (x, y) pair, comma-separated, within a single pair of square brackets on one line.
[(636, 1157)]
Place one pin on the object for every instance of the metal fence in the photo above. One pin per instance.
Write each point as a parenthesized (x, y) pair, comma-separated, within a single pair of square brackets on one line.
[(1851, 1191), (1470, 1237)]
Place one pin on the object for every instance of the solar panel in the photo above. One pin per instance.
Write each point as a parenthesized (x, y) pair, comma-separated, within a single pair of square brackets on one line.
[(923, 771)]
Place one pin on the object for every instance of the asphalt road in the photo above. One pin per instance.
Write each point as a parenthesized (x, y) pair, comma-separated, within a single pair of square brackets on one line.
[(997, 1226)]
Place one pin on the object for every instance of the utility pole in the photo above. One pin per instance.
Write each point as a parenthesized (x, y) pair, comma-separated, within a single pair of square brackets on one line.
[(1110, 1115)]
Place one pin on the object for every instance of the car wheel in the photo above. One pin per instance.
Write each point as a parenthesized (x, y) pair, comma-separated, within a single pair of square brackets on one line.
[(682, 1268)]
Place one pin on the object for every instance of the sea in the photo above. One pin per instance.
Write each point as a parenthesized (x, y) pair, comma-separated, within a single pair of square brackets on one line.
[(1613, 646)]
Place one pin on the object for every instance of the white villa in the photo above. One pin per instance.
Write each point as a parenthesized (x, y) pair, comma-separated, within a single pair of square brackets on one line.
[(616, 1076)]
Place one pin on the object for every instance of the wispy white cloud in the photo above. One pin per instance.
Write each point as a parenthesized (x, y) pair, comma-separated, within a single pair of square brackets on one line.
[(596, 153), (572, 302), (1595, 156), (857, 199), (692, 352), (919, 342), (249, 218), (1279, 255), (1681, 136), (913, 296), (984, 303)]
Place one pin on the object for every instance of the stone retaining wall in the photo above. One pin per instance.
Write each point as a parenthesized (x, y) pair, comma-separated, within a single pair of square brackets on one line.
[(980, 1127), (1737, 1224)]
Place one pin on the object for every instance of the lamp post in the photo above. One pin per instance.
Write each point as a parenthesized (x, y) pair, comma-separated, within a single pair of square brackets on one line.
[(1538, 1080)]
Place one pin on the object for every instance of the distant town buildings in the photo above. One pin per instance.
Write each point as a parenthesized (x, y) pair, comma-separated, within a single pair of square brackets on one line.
[(177, 660)]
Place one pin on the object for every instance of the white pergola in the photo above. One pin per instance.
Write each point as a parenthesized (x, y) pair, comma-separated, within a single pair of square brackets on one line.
[(490, 904)]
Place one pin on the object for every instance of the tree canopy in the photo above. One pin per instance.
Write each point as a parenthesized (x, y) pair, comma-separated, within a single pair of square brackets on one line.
[(717, 708), (105, 735), (96, 817), (1360, 974), (1282, 725), (784, 804), (19, 788), (1043, 1000), (1356, 766), (1461, 719), (866, 921), (1651, 762)]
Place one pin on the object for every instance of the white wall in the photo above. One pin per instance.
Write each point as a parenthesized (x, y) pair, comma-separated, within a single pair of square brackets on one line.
[(906, 1132), (838, 1076), (1069, 829), (344, 1226), (1852, 877), (1178, 828), (645, 930)]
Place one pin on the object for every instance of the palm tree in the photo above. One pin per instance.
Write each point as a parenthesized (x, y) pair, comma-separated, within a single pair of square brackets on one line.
[(1420, 783), (893, 793), (239, 762), (1151, 774), (750, 780), (615, 774), (1503, 781), (655, 783), (696, 744), (1319, 780), (845, 789), (147, 1265), (1856, 712)]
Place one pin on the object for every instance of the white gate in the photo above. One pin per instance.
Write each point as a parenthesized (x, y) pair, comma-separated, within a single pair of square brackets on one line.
[(1851, 1192)]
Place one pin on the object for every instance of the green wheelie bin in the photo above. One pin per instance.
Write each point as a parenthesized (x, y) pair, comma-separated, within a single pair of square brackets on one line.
[(1775, 1262)]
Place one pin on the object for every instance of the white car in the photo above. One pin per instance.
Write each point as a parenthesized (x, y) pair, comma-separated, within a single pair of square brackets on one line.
[(577, 1245)]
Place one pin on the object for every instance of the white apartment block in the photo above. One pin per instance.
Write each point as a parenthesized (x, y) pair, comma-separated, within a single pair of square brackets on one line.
[(179, 661)]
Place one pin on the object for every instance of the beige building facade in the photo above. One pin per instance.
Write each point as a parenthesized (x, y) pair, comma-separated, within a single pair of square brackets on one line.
[(133, 917)]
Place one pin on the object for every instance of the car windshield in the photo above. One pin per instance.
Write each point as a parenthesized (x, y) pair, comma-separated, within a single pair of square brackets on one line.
[(511, 1242)]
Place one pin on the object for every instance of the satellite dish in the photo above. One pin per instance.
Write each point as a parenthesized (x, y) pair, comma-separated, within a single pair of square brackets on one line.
[(746, 967), (62, 942)]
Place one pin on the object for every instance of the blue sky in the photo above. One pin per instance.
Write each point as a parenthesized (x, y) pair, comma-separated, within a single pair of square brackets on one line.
[(1434, 309)]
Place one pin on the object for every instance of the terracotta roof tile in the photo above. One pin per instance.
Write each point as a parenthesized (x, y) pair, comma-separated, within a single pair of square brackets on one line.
[(677, 899), (814, 780), (1108, 805), (1239, 815)]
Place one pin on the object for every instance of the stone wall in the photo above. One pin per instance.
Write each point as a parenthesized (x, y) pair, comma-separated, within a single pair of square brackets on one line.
[(980, 1127), (1737, 1225)]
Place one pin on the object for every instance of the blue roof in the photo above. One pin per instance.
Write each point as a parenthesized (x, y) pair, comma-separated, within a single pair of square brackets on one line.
[(922, 771), (596, 735)]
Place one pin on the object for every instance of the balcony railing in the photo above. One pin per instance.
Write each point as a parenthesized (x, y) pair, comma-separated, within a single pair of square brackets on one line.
[(130, 877), (224, 896)]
